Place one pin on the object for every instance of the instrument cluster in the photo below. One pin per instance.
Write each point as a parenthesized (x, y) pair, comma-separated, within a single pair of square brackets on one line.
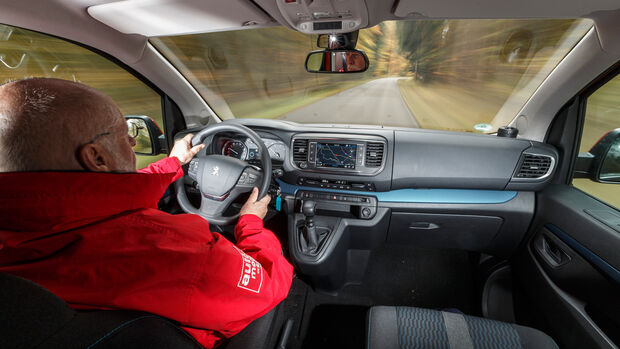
[(245, 149)]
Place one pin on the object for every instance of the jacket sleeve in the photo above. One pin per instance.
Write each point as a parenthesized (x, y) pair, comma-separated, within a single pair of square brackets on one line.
[(165, 165), (243, 282)]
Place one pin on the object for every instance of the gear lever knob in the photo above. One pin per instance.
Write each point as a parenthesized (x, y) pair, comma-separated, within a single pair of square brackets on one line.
[(308, 208)]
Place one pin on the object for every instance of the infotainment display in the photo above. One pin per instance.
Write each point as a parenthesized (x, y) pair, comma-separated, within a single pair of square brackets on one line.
[(336, 155)]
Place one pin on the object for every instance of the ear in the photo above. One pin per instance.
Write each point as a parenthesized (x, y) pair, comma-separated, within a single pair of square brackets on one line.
[(95, 158)]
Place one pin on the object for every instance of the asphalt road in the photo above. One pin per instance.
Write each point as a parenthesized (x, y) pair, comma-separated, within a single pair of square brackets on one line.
[(377, 102)]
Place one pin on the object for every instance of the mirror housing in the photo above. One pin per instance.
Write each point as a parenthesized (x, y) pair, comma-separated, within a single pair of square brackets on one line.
[(150, 140), (602, 162), (336, 61)]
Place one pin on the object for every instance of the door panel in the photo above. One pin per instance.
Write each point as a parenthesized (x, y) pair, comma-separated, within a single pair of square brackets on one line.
[(570, 266), (570, 270)]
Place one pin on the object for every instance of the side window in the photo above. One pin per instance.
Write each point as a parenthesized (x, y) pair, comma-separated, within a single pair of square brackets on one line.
[(598, 163), (25, 53)]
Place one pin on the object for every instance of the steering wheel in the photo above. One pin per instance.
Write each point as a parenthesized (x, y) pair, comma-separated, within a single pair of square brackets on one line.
[(221, 179)]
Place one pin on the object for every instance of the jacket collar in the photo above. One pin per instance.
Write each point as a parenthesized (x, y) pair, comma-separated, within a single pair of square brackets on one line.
[(58, 201)]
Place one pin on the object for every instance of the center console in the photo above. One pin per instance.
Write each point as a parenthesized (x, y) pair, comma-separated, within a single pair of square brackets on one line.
[(334, 216)]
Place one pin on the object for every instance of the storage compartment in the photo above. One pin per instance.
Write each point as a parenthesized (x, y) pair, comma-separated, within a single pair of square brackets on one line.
[(467, 232)]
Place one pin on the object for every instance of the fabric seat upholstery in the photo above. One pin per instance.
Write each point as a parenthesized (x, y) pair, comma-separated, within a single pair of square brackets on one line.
[(407, 327)]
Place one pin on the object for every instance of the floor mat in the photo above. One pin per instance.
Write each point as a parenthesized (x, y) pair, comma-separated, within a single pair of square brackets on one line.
[(396, 275), (336, 326), (427, 278)]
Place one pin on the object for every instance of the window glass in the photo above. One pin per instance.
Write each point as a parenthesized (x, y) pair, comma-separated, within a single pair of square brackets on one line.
[(601, 121), (25, 53), (469, 75)]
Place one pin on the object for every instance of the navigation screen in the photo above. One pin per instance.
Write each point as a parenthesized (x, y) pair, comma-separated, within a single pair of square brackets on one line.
[(336, 155)]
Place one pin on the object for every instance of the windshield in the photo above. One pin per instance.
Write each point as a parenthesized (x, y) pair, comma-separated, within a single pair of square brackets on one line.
[(461, 75)]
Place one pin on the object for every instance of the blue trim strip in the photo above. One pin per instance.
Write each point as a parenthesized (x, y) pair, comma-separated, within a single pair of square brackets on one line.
[(584, 252), (432, 196)]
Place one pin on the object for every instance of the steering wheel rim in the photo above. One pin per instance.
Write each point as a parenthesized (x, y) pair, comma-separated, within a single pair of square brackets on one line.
[(205, 170)]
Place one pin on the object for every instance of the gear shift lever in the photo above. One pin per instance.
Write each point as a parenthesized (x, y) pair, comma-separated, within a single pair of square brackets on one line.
[(309, 231)]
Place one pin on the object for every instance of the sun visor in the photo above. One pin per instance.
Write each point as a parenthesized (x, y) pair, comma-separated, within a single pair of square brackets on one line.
[(501, 9), (176, 17)]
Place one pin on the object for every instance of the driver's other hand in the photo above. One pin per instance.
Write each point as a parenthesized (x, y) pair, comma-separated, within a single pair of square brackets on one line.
[(252, 206), (183, 149)]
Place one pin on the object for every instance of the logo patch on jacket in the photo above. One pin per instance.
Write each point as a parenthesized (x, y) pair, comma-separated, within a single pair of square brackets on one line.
[(251, 273)]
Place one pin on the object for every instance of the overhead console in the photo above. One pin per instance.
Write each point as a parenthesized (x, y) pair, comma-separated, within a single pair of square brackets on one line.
[(324, 16)]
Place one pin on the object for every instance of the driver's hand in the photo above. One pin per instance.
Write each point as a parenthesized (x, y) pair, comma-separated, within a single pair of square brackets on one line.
[(183, 150), (258, 208)]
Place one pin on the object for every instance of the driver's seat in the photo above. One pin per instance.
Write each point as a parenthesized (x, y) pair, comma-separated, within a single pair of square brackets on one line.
[(33, 317)]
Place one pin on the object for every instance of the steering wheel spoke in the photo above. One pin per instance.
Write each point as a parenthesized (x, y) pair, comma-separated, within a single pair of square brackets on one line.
[(212, 208), (193, 167), (249, 179)]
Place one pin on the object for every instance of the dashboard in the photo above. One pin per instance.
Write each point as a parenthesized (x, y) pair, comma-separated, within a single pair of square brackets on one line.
[(371, 186), (384, 159)]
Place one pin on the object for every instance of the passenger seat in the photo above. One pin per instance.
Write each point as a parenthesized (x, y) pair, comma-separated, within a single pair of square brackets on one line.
[(407, 327)]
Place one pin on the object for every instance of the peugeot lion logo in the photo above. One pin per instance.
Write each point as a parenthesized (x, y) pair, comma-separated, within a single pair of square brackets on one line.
[(215, 171)]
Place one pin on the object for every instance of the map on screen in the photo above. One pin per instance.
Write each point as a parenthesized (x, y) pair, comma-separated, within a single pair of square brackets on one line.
[(336, 155)]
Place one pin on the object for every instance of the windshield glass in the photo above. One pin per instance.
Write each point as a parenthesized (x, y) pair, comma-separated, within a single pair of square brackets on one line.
[(461, 75)]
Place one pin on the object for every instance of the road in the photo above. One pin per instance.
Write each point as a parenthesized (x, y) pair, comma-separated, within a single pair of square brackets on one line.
[(377, 102)]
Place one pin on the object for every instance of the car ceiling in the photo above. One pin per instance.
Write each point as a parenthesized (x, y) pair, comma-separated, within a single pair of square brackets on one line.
[(128, 22)]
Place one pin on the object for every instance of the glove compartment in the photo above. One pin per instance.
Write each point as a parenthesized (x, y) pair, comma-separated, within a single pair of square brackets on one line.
[(466, 232)]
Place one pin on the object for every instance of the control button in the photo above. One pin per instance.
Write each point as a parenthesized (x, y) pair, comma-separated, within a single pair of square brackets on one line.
[(303, 164), (366, 212), (242, 179)]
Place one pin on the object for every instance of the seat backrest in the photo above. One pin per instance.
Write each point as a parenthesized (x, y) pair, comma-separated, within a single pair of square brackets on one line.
[(32, 316)]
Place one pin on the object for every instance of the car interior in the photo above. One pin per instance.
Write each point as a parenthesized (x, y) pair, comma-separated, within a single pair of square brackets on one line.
[(442, 174)]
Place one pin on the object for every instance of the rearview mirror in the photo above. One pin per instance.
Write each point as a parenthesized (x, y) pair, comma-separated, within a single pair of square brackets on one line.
[(149, 138), (336, 61), (602, 162)]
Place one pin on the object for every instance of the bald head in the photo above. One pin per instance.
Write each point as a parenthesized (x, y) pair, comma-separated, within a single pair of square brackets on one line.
[(44, 122)]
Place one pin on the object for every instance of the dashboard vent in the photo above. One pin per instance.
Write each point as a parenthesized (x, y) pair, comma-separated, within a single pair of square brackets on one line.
[(534, 166), (374, 154), (300, 150)]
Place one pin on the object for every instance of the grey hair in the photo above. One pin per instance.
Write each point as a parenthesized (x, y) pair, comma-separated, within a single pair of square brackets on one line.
[(39, 125)]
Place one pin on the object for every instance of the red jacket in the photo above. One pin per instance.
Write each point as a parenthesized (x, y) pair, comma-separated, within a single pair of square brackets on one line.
[(97, 241)]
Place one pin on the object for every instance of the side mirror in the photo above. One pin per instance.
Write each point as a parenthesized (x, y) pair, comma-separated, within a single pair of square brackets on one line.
[(336, 61), (149, 138), (602, 162), (610, 166)]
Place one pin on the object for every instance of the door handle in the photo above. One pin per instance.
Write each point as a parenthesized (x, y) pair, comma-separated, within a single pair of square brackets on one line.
[(423, 225), (553, 254)]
